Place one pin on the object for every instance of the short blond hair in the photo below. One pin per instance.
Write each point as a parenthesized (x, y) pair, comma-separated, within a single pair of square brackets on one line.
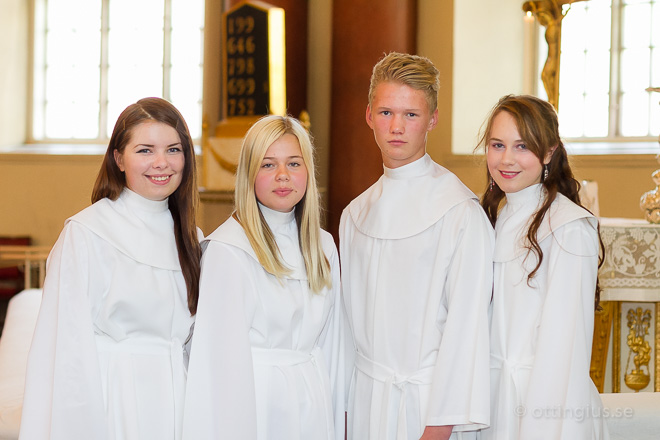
[(414, 71), (258, 139)]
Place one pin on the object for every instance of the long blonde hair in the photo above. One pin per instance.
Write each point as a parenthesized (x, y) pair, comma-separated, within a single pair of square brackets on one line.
[(307, 212)]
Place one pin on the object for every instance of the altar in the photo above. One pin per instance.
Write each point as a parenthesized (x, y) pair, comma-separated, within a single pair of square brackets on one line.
[(627, 334)]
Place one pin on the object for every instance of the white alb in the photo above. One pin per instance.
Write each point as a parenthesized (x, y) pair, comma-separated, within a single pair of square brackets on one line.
[(107, 358), (266, 353), (416, 255), (542, 328)]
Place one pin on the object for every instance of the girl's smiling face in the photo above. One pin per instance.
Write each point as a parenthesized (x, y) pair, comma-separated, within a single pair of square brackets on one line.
[(282, 178), (152, 161), (511, 164)]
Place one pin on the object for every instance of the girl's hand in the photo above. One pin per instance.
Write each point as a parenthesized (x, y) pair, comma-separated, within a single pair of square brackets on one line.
[(436, 433)]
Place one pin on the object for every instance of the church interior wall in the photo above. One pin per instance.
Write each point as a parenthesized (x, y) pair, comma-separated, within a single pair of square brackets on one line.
[(465, 39), (13, 73)]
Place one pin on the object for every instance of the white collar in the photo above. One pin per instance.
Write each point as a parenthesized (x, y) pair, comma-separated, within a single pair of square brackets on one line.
[(140, 228), (514, 219), (135, 201), (277, 218), (407, 200), (411, 170), (525, 195)]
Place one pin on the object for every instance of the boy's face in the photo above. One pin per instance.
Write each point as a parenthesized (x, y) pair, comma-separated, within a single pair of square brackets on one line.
[(400, 118)]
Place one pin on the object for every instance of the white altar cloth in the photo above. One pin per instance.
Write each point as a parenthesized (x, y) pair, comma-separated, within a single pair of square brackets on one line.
[(632, 416)]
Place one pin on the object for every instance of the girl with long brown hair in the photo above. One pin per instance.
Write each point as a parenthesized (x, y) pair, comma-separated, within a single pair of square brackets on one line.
[(107, 358), (545, 280)]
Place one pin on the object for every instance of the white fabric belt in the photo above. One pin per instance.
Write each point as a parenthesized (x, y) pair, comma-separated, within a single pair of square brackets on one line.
[(510, 365), (391, 379), (509, 369)]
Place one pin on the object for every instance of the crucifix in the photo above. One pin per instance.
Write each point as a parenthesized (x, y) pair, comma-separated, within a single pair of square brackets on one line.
[(550, 13)]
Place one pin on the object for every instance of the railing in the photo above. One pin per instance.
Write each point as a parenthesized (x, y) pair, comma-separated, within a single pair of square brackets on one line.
[(31, 257)]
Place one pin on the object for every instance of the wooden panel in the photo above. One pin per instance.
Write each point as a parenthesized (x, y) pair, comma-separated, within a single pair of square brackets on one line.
[(363, 31), (601, 341), (295, 17)]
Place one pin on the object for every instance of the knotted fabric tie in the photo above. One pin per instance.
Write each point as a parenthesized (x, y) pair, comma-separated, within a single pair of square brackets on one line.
[(391, 379)]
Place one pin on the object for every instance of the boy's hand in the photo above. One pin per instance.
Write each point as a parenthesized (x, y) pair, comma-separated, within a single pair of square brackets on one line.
[(436, 433)]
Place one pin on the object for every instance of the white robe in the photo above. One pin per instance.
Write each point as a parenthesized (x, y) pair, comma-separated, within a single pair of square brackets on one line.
[(542, 331), (106, 360), (265, 357), (416, 256)]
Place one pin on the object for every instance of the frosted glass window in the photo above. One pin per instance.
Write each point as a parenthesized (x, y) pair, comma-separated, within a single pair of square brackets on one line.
[(596, 110), (70, 86), (636, 17), (634, 114), (585, 69), (594, 100), (572, 124), (92, 64)]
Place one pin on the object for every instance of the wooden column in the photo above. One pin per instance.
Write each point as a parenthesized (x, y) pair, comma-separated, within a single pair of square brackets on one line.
[(363, 31)]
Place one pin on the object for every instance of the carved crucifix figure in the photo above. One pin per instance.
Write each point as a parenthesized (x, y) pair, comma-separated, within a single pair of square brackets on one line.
[(549, 13)]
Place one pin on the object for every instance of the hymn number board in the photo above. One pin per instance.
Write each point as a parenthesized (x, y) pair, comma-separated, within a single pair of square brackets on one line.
[(254, 60)]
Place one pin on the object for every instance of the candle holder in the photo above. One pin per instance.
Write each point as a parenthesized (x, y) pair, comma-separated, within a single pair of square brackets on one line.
[(650, 201)]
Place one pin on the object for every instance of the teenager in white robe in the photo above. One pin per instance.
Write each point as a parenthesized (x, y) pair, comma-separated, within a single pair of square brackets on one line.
[(107, 357), (416, 253), (266, 352), (545, 281)]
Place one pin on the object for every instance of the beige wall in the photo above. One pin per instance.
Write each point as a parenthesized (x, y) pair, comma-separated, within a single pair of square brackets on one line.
[(13, 73), (38, 192)]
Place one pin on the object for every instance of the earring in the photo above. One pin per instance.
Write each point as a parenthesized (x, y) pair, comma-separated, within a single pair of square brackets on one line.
[(545, 171), (490, 188)]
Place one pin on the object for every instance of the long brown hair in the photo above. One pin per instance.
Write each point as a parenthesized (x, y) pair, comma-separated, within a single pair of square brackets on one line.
[(182, 203), (538, 127)]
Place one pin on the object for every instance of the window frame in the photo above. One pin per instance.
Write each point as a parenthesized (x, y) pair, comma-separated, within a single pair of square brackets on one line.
[(613, 143), (37, 27)]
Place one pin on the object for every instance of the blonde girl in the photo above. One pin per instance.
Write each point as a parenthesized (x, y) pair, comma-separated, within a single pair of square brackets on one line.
[(265, 358)]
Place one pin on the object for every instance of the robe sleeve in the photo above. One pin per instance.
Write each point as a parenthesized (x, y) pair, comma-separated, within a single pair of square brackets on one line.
[(560, 389), (460, 389), (349, 343), (332, 344), (220, 393), (63, 391)]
